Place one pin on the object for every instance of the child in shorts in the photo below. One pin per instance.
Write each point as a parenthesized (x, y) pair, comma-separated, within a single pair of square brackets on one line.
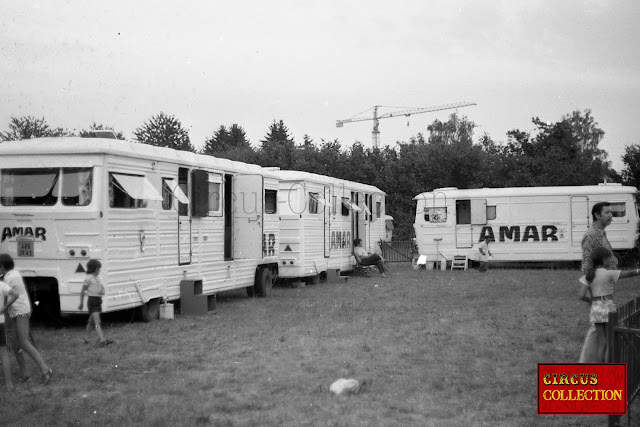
[(597, 289), (94, 289), (4, 355)]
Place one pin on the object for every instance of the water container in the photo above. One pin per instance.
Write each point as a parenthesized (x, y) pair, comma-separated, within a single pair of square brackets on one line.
[(166, 311)]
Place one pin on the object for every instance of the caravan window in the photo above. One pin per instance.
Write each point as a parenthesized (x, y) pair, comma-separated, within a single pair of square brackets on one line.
[(618, 209), (131, 191), (167, 194), (435, 215), (270, 201), (76, 186), (215, 194), (29, 187), (346, 206), (491, 212), (313, 203)]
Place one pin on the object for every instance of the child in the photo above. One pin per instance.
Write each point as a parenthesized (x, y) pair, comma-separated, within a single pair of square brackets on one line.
[(485, 253), (598, 282), (95, 290), (4, 355), (18, 307)]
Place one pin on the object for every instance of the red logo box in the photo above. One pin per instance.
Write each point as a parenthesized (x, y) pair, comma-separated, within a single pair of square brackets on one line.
[(582, 388)]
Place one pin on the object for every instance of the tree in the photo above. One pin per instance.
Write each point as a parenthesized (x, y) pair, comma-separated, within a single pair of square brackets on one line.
[(306, 156), (164, 131), (631, 160), (278, 147), (553, 156), (585, 129), (90, 133), (455, 131), (230, 144), (218, 143), (27, 127)]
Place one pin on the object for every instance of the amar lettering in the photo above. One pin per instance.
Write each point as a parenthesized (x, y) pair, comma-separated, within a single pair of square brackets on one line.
[(531, 233), (10, 232)]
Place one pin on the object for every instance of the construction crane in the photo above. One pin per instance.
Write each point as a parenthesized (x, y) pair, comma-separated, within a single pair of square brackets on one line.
[(406, 112)]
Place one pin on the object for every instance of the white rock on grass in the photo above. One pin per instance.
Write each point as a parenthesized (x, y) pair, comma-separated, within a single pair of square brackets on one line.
[(344, 386)]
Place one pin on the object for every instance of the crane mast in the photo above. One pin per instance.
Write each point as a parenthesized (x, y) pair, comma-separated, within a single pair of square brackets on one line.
[(375, 134)]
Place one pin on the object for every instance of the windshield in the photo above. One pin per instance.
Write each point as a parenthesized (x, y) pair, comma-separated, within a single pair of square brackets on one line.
[(41, 187)]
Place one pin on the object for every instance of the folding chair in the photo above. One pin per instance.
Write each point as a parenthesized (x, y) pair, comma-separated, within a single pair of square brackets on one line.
[(359, 269)]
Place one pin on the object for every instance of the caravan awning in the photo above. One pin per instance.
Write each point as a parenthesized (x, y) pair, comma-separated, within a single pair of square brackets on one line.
[(320, 199), (347, 204), (177, 191), (138, 187)]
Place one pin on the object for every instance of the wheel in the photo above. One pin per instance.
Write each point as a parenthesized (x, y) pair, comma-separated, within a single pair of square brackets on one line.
[(264, 280), (150, 311)]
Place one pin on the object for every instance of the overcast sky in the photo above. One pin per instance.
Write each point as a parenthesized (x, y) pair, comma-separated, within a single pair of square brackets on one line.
[(311, 63)]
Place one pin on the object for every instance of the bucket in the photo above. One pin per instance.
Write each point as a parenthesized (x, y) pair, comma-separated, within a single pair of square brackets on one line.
[(166, 311), (429, 265)]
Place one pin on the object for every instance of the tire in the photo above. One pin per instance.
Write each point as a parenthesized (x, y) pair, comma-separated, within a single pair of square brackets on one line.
[(150, 311), (264, 281)]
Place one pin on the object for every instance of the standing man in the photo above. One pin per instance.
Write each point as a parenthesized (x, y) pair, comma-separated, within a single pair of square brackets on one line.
[(594, 238), (485, 253)]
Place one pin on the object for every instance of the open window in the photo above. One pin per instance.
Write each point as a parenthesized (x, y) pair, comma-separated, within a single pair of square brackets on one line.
[(313, 202), (167, 194), (215, 194), (170, 191), (349, 206), (270, 201), (131, 191)]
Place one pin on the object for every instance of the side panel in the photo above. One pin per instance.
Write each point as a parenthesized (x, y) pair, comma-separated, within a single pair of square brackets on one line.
[(327, 222), (580, 219)]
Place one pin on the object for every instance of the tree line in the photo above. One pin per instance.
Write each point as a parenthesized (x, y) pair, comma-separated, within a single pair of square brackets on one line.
[(561, 153)]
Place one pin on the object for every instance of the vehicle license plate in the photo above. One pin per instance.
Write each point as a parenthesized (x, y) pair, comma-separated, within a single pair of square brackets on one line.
[(25, 247)]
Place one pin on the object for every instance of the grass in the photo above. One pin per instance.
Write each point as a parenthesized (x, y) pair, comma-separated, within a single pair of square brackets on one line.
[(431, 348)]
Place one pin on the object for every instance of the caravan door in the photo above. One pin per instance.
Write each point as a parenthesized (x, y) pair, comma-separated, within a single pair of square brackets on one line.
[(580, 218), (247, 216), (184, 220), (464, 239), (469, 213)]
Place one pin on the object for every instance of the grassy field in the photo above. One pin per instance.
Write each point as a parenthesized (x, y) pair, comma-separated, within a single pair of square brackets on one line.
[(431, 347)]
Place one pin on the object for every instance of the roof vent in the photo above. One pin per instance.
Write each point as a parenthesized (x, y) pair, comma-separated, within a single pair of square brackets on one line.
[(101, 133)]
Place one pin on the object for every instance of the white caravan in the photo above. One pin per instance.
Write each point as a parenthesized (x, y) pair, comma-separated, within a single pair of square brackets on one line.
[(522, 223), (320, 216), (152, 216)]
